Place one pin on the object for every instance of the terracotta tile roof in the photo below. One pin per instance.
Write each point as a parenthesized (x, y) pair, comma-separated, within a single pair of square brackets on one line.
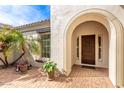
[(40, 30), (32, 24)]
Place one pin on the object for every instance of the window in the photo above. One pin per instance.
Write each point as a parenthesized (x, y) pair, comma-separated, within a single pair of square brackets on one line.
[(45, 45), (78, 47), (100, 47)]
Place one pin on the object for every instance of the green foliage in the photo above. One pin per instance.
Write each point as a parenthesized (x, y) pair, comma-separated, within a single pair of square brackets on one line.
[(34, 46), (49, 66), (11, 39)]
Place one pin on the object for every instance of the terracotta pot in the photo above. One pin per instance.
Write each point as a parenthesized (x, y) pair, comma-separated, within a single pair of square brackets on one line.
[(50, 76), (23, 68)]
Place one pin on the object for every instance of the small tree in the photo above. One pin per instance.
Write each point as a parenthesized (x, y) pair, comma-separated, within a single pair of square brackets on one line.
[(11, 39)]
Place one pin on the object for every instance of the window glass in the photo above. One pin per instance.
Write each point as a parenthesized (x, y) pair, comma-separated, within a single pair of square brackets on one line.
[(99, 53), (100, 47), (99, 38), (45, 45), (78, 47)]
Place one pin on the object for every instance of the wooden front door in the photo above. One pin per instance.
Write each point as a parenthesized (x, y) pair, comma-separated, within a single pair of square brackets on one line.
[(88, 49)]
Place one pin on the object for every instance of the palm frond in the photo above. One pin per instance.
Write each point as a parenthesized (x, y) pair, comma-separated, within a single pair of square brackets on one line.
[(13, 39)]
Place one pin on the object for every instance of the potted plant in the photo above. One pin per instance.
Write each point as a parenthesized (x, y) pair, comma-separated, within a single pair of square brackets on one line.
[(50, 67), (22, 66)]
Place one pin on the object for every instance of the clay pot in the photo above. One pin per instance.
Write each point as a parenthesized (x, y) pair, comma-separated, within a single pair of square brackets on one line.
[(23, 68), (50, 76)]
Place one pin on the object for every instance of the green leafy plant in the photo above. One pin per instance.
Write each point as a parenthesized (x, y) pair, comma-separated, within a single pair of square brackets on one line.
[(49, 66), (12, 39)]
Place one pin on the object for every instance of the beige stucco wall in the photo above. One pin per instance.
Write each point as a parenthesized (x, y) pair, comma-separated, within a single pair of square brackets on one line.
[(91, 28), (64, 19)]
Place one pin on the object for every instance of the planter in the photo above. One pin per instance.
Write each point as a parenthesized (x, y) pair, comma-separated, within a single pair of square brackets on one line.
[(50, 76), (23, 68), (50, 67)]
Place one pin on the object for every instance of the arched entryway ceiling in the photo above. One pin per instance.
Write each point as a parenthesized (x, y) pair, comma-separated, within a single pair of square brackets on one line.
[(109, 21), (90, 17)]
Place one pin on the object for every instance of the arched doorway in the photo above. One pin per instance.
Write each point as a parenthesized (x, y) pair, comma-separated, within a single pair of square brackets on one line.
[(90, 43), (116, 44)]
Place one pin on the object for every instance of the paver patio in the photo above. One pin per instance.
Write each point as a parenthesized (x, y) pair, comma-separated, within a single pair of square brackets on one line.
[(79, 78)]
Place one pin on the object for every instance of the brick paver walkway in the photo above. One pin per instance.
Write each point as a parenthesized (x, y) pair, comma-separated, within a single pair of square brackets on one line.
[(79, 78)]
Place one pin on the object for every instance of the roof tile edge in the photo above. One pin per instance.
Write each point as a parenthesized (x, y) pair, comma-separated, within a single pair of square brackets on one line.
[(31, 24)]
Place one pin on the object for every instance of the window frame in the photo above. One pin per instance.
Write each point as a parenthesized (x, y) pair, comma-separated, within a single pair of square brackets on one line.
[(45, 46)]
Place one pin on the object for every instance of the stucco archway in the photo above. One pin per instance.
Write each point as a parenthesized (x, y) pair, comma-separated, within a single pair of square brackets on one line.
[(99, 58), (116, 43)]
